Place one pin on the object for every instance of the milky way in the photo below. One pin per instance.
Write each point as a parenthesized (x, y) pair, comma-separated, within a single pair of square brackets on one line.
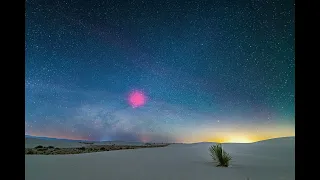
[(207, 70)]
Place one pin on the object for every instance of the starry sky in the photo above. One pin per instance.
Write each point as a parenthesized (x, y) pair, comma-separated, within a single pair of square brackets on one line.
[(211, 70)]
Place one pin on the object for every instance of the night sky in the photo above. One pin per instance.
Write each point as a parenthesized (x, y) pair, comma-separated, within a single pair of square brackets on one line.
[(160, 71)]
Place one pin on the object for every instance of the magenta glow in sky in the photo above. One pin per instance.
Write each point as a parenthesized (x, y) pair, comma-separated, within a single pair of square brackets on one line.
[(137, 98)]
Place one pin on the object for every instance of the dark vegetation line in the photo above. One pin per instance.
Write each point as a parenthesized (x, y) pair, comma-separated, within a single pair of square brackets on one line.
[(51, 150)]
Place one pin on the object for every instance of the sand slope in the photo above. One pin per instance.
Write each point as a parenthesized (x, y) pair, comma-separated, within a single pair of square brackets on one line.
[(271, 159)]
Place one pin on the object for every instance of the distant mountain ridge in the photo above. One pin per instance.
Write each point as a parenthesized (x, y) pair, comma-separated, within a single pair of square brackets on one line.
[(288, 138), (73, 140), (50, 138)]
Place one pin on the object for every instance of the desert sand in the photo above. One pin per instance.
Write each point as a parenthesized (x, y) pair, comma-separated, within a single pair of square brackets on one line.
[(266, 160)]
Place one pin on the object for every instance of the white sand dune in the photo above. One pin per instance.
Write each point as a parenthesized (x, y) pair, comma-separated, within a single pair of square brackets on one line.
[(266, 160)]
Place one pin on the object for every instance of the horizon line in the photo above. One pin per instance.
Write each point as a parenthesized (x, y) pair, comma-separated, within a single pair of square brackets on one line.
[(156, 142)]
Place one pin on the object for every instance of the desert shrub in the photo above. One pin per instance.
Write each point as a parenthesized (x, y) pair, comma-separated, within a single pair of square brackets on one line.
[(82, 148), (38, 147), (42, 149), (30, 152), (102, 148), (47, 153), (219, 155), (50, 147)]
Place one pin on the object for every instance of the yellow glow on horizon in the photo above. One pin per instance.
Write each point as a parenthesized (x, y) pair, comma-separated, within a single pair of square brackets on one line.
[(232, 139), (239, 139), (246, 134), (235, 137)]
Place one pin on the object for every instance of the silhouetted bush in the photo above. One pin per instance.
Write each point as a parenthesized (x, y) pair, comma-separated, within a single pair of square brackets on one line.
[(38, 147), (86, 142), (30, 152), (50, 147)]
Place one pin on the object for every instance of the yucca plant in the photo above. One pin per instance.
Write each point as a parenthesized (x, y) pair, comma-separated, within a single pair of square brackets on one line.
[(219, 155)]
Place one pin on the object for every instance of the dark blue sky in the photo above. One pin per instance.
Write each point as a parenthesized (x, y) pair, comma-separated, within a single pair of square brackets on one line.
[(211, 70)]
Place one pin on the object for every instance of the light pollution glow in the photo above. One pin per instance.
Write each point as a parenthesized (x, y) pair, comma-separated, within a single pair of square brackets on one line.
[(221, 136)]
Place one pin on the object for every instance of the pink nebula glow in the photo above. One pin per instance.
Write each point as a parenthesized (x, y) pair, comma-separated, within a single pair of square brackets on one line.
[(137, 98)]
